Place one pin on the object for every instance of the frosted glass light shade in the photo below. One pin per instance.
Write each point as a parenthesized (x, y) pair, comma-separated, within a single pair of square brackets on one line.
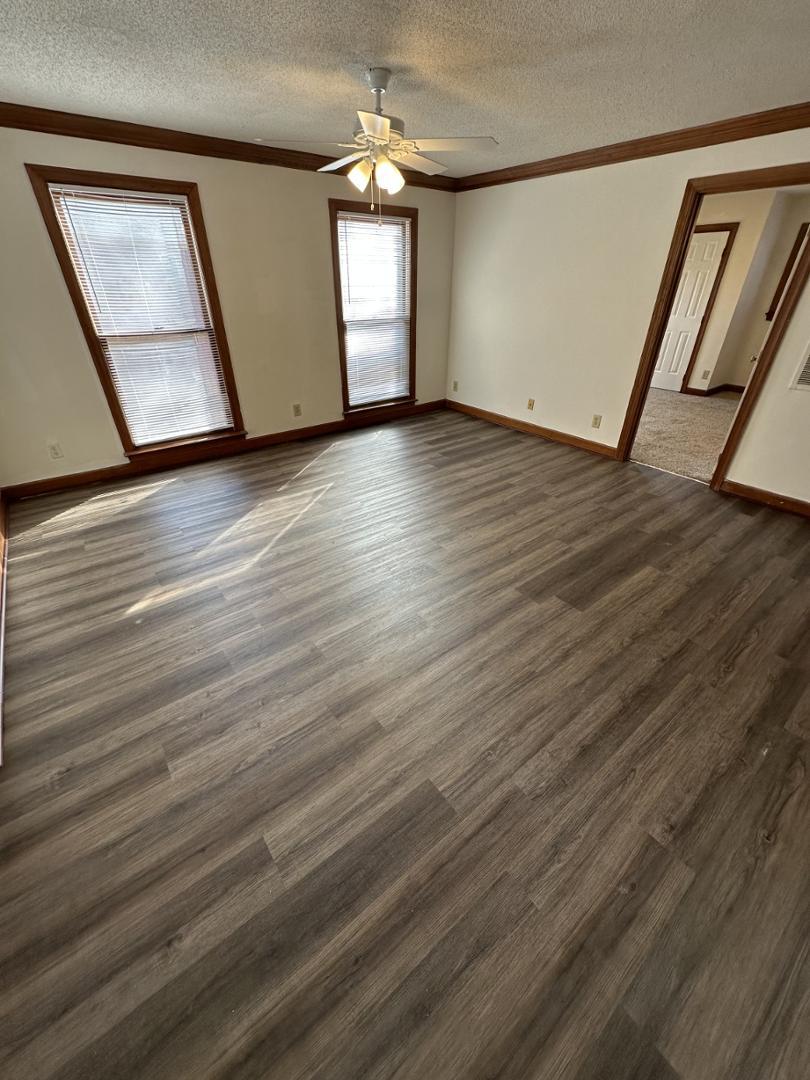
[(360, 174)]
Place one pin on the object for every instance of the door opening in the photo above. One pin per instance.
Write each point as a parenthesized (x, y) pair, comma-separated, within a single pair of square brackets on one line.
[(684, 347)]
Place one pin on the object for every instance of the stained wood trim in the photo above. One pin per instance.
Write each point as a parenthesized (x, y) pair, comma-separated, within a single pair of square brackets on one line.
[(787, 271), (193, 453), (3, 579), (712, 390), (678, 248), (78, 126), (748, 126), (351, 206), (731, 228), (779, 326), (42, 175), (101, 129), (768, 498), (533, 429), (695, 189)]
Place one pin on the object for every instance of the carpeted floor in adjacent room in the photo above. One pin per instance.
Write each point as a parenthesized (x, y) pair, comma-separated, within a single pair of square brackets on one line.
[(684, 434)]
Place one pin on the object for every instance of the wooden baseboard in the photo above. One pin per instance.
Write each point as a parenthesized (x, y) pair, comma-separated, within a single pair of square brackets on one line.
[(767, 498), (3, 577), (534, 429), (712, 389), (208, 451)]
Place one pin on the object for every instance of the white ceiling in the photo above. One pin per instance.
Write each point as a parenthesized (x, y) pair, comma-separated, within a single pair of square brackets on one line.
[(545, 77)]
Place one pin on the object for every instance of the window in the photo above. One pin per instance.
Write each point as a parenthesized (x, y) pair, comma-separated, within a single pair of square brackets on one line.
[(375, 293), (133, 260)]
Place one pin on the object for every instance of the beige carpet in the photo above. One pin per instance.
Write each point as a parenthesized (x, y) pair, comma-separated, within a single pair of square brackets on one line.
[(684, 434)]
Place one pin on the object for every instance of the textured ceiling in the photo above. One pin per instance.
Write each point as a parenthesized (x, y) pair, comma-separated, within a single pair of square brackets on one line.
[(545, 77)]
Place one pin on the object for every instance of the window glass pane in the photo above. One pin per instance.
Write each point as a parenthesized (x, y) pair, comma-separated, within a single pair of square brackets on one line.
[(375, 280), (136, 261), (171, 386)]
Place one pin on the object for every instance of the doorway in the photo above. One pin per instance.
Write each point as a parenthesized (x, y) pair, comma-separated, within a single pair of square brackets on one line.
[(698, 359)]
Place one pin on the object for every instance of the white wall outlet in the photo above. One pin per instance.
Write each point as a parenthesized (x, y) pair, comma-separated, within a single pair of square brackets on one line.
[(596, 420), (530, 404), (455, 384), (54, 451), (296, 408), (705, 374)]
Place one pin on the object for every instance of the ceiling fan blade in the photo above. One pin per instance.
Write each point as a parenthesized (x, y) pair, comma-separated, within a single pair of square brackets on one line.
[(334, 165), (421, 164), (481, 142), (307, 142), (378, 127)]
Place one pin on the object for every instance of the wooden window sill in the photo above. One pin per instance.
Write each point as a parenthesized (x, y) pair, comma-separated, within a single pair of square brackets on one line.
[(214, 438), (372, 406)]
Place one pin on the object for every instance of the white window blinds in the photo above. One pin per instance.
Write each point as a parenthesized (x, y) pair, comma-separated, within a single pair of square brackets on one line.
[(375, 280), (136, 261)]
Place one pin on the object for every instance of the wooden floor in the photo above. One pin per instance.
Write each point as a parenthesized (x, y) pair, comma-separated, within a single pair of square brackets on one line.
[(434, 751)]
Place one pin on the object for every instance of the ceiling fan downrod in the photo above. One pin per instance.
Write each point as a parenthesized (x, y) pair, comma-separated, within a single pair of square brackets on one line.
[(377, 79)]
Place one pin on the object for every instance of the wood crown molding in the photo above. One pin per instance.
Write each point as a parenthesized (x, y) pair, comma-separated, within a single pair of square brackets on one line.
[(54, 122), (77, 126), (533, 429), (749, 126), (208, 450)]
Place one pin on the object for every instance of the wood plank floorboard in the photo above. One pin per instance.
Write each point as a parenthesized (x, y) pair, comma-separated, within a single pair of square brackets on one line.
[(434, 751)]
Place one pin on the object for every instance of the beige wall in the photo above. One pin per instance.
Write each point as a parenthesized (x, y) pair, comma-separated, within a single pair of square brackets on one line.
[(555, 279), (268, 230), (774, 454), (553, 283), (753, 210), (748, 327)]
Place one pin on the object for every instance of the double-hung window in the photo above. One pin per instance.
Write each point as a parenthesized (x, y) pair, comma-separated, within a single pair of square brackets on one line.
[(374, 258), (134, 264)]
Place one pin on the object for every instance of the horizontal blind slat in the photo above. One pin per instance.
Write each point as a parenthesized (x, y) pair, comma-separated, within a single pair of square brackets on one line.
[(135, 259)]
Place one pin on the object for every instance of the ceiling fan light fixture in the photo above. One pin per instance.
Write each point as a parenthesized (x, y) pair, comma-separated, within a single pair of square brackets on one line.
[(389, 178), (360, 174)]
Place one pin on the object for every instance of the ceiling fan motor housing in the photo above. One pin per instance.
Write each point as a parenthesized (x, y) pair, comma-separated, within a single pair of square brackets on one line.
[(378, 78)]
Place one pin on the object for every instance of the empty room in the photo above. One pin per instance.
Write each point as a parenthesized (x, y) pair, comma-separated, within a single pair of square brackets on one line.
[(404, 541)]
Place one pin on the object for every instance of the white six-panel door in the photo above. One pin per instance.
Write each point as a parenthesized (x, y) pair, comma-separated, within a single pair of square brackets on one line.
[(694, 288)]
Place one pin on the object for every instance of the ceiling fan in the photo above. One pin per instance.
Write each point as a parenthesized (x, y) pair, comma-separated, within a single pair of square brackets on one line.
[(380, 146)]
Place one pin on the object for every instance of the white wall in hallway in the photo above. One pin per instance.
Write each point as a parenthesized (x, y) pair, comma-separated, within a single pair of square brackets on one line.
[(748, 327), (754, 212)]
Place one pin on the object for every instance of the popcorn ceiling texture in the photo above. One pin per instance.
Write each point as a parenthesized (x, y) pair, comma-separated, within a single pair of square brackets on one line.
[(544, 77)]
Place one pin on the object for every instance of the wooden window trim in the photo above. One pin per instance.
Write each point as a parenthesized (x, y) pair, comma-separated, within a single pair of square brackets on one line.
[(43, 175), (353, 207), (787, 271)]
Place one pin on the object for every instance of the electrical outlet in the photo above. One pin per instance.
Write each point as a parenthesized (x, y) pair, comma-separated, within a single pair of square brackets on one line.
[(596, 420), (54, 451), (530, 404), (296, 408), (455, 384), (705, 374)]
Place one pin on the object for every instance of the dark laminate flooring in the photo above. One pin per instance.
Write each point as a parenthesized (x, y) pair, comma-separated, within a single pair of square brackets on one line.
[(430, 751)]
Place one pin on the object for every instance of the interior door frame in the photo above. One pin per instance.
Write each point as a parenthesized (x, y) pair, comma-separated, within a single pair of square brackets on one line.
[(696, 188), (729, 227)]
